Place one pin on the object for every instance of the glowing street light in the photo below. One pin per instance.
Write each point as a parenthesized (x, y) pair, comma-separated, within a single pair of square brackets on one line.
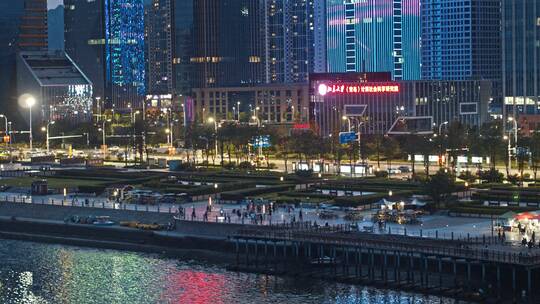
[(29, 102), (46, 129)]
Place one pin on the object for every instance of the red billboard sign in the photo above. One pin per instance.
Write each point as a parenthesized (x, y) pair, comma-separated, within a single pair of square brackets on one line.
[(362, 88)]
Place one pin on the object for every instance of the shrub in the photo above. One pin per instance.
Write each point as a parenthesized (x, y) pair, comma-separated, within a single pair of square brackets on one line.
[(383, 174), (246, 166), (91, 189), (243, 193), (491, 176), (304, 173)]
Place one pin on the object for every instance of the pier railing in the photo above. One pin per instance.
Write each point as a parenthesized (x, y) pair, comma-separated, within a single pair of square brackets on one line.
[(336, 236)]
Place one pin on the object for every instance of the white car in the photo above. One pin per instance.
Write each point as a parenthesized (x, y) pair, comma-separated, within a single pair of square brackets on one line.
[(394, 171)]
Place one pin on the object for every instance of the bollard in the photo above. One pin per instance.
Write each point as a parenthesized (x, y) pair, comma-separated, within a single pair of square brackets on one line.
[(436, 234), (169, 209), (24, 200), (93, 204), (468, 237), (103, 205), (405, 231), (52, 201), (421, 233), (389, 230), (452, 235), (135, 207)]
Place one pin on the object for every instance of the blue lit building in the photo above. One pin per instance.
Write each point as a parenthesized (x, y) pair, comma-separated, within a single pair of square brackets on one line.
[(521, 56), (461, 39), (105, 38), (124, 52), (374, 36)]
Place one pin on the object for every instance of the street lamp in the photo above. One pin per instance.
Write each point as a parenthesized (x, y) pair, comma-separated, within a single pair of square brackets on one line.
[(345, 118), (47, 130), (103, 129), (29, 102), (441, 143), (213, 120)]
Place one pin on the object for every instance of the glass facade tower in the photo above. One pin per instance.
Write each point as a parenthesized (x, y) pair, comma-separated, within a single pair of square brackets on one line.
[(374, 36), (461, 39), (105, 38), (521, 56)]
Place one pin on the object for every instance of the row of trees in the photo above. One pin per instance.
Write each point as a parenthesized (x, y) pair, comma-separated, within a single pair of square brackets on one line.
[(489, 140)]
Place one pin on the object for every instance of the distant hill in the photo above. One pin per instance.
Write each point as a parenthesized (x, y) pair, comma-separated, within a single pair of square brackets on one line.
[(56, 28)]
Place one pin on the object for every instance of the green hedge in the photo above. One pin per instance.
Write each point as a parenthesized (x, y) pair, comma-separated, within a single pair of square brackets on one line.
[(490, 210), (91, 189), (354, 201), (210, 189), (305, 194), (506, 197), (243, 193)]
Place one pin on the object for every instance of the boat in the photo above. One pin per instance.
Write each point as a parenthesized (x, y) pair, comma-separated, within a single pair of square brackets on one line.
[(103, 221)]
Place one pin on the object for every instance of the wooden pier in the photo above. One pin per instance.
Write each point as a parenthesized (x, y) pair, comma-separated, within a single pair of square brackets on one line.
[(471, 268)]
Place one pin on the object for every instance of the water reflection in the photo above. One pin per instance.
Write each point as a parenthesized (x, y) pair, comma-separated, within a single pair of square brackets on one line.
[(42, 273)]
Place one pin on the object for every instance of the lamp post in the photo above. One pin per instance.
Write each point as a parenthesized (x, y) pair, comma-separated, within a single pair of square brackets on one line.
[(238, 111), (47, 130), (515, 129), (29, 102), (441, 138), (213, 120), (103, 132), (345, 118)]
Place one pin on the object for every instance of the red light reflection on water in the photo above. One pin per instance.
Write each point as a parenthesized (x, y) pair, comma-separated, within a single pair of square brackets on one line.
[(190, 286)]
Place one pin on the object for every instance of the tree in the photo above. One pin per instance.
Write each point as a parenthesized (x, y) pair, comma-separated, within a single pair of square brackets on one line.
[(534, 146), (492, 140), (440, 186), (390, 149), (375, 147), (455, 140)]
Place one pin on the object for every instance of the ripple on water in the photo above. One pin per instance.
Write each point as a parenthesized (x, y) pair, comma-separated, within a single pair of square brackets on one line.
[(44, 273)]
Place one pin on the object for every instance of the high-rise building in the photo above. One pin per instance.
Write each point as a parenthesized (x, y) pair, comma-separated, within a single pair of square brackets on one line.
[(106, 39), (521, 56), (33, 33), (10, 19), (229, 43), (461, 39), (159, 43), (55, 23), (289, 40), (183, 46), (374, 36), (23, 26)]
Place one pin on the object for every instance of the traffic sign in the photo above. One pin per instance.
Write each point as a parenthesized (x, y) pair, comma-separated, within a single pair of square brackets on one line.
[(347, 137)]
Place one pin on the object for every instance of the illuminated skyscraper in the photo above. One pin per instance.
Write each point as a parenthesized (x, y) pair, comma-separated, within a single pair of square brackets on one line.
[(33, 33), (461, 39), (159, 40), (290, 39), (374, 36), (229, 43), (105, 38)]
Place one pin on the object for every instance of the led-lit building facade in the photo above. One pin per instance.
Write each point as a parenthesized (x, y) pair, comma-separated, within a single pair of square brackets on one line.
[(374, 36), (521, 57), (461, 39), (61, 90), (229, 43), (386, 100), (106, 39)]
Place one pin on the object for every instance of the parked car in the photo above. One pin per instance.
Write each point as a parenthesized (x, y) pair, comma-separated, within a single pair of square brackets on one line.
[(404, 169)]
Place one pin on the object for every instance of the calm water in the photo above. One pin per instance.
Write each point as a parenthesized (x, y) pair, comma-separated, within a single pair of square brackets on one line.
[(43, 273)]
